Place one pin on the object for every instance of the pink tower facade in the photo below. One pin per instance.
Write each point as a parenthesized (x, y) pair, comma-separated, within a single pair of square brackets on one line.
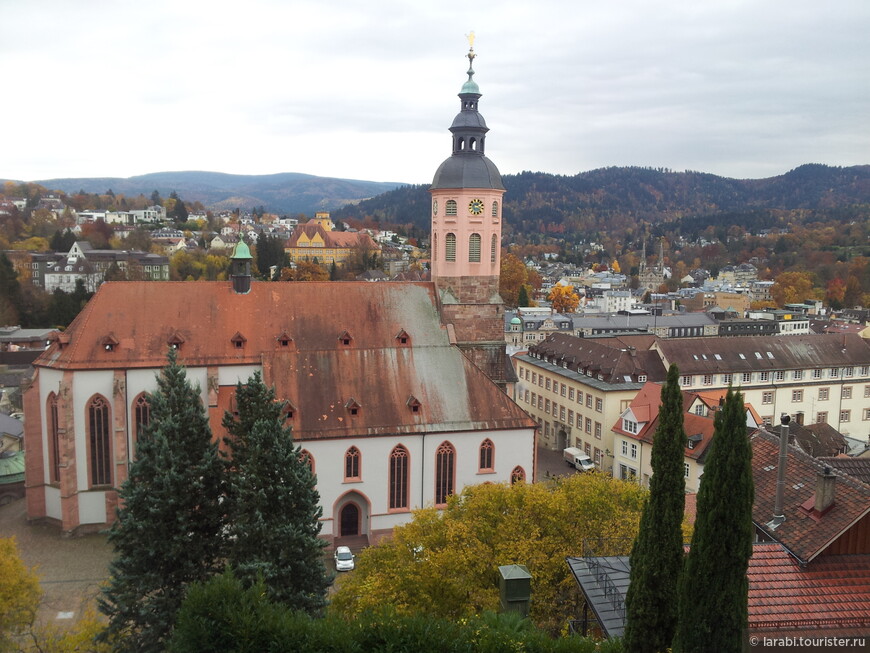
[(467, 193)]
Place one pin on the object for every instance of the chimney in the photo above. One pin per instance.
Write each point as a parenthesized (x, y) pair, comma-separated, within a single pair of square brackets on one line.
[(778, 515), (826, 489)]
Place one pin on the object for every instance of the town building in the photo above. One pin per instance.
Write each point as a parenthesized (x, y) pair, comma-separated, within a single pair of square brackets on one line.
[(391, 388), (576, 388), (815, 379), (317, 241), (635, 429)]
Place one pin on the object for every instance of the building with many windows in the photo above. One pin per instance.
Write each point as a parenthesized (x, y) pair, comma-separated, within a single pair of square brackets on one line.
[(316, 241), (815, 379), (576, 388)]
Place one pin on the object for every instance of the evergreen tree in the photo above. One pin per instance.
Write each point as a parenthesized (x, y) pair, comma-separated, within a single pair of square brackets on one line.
[(523, 296), (713, 605), (273, 506), (657, 554), (168, 532)]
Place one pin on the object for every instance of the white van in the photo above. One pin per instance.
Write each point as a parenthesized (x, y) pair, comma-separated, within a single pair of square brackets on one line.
[(578, 460)]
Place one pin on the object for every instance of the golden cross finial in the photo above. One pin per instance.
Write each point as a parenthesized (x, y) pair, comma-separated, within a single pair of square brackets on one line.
[(470, 37)]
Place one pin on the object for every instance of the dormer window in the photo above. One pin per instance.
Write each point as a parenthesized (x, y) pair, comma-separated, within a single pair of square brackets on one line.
[(175, 341), (345, 338), (403, 338), (414, 404), (284, 339), (352, 407), (289, 410), (109, 343), (238, 341)]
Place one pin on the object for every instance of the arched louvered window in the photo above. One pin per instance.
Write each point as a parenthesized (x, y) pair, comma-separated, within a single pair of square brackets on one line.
[(450, 247), (518, 475), (99, 441), (495, 209), (445, 472), (493, 254), (141, 415), (398, 478), (435, 247), (450, 207), (487, 452), (474, 248), (53, 439), (352, 464)]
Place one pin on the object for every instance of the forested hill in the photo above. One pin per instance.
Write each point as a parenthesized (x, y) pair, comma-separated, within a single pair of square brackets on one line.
[(610, 198)]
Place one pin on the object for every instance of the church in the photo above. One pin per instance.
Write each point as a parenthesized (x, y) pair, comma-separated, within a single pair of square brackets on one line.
[(398, 393)]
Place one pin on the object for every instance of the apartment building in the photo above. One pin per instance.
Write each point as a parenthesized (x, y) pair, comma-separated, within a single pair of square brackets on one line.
[(576, 388), (815, 378)]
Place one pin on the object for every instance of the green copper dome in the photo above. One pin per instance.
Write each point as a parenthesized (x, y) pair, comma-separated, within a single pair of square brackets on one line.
[(516, 320), (242, 251)]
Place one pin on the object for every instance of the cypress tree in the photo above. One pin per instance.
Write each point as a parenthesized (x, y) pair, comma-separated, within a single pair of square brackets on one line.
[(523, 296), (168, 531), (273, 507), (713, 606), (657, 554)]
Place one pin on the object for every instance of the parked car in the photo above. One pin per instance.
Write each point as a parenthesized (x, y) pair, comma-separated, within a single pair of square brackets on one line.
[(343, 559)]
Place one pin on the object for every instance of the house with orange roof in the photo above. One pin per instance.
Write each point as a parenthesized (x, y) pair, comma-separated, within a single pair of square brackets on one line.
[(316, 240), (634, 430)]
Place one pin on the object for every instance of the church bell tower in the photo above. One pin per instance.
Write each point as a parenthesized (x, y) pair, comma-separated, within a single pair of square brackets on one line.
[(466, 208)]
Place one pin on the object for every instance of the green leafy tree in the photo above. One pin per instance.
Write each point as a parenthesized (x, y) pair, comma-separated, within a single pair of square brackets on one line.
[(19, 595), (657, 555), (713, 601), (272, 504), (168, 532), (62, 241), (445, 563)]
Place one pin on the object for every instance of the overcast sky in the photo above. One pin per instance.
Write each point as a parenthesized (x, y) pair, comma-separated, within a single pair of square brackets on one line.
[(367, 90)]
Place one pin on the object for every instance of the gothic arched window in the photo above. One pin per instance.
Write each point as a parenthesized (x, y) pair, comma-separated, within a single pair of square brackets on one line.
[(398, 478), (487, 456), (99, 441), (445, 472), (352, 464)]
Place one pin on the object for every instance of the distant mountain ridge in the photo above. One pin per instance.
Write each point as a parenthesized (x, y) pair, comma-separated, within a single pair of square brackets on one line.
[(285, 192), (620, 197), (535, 202)]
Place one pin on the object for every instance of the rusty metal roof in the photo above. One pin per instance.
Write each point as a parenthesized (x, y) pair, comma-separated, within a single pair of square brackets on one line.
[(319, 343)]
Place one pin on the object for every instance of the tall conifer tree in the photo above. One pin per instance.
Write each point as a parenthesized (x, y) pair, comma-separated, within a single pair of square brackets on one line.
[(713, 612), (273, 506), (168, 532), (657, 554)]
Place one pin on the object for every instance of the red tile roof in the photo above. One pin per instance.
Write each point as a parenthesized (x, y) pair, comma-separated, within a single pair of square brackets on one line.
[(805, 533), (829, 596), (332, 239), (316, 371)]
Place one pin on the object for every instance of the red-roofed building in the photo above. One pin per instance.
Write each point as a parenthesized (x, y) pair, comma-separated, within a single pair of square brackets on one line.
[(636, 426), (393, 390), (316, 240)]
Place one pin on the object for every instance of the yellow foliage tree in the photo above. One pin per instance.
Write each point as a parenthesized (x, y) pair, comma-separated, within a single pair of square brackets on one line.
[(19, 594), (563, 299), (792, 288), (446, 563), (615, 266)]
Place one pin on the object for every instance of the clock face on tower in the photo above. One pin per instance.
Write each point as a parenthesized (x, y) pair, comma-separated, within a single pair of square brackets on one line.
[(475, 206)]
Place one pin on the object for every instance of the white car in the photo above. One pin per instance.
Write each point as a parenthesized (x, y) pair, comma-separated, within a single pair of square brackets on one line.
[(343, 559)]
